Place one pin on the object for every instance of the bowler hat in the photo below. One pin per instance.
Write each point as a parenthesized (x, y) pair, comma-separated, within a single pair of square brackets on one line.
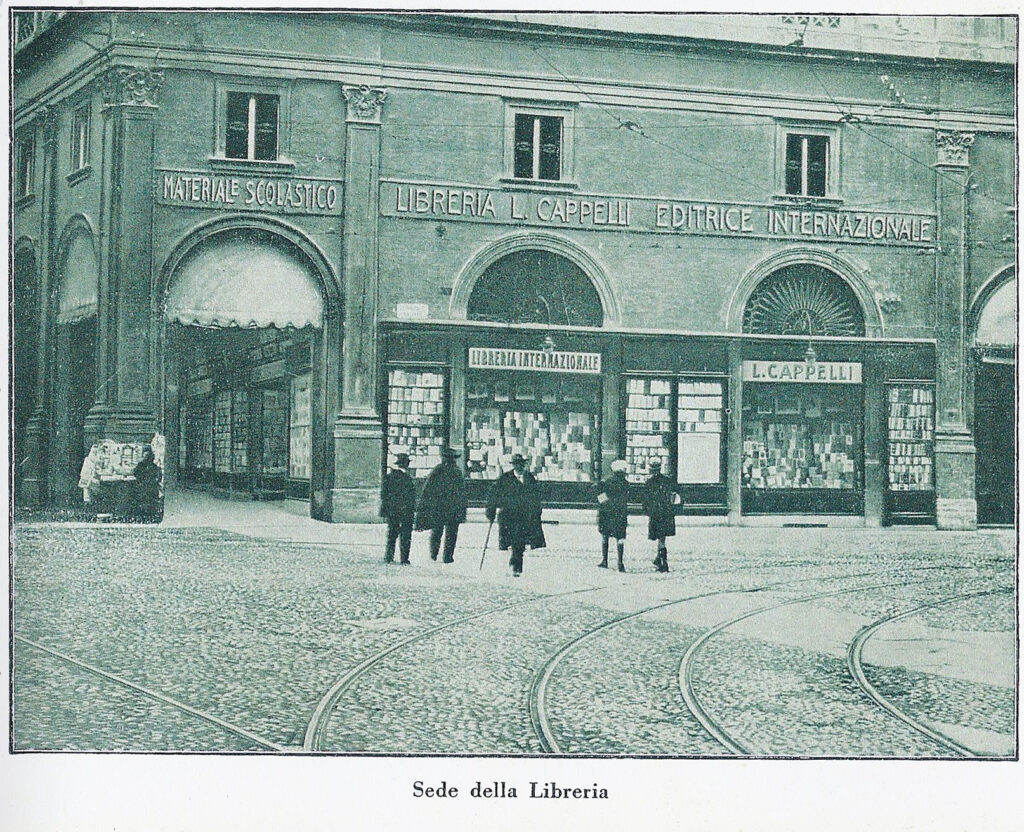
[(402, 460), (450, 453), (518, 459), (655, 465)]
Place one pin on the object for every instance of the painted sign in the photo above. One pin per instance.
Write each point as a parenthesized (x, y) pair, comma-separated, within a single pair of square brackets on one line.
[(273, 194), (465, 203), (537, 361), (803, 372)]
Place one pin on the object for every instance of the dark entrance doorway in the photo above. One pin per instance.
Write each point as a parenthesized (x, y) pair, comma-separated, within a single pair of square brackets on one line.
[(995, 435)]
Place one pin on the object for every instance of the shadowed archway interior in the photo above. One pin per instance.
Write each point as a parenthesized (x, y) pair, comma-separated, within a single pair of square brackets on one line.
[(804, 299), (534, 286)]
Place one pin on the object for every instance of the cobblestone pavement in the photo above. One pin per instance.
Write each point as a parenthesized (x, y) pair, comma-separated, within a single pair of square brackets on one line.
[(236, 639)]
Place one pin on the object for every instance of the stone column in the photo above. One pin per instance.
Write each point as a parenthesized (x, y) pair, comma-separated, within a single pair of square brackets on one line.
[(358, 433), (33, 484), (956, 507), (734, 434), (126, 393)]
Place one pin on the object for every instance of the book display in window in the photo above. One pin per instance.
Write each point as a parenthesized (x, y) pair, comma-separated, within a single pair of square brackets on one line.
[(275, 431), (300, 428), (911, 433), (552, 422), (648, 426), (198, 421), (793, 439), (239, 431), (416, 418), (222, 431), (699, 419)]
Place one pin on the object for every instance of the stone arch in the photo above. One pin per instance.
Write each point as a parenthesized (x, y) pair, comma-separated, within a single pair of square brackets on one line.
[(841, 267), (471, 272), (77, 227), (993, 284)]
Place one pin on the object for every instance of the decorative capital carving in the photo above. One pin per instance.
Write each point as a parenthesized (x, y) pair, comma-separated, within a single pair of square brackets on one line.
[(364, 103), (46, 118), (889, 301), (132, 85), (953, 147)]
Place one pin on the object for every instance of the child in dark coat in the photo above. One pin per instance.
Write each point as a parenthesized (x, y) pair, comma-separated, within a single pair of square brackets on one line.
[(612, 503), (659, 498)]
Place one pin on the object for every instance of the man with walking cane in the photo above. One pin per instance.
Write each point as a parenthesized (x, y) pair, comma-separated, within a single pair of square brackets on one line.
[(442, 505), (612, 518), (515, 501)]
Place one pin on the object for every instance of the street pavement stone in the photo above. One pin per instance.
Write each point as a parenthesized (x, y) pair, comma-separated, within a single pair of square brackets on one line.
[(255, 630)]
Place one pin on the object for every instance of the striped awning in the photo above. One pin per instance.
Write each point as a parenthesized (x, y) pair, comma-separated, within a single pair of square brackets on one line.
[(78, 297), (244, 280)]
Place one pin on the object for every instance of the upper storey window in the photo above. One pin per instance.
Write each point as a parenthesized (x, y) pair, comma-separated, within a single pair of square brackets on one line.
[(251, 128), (80, 130), (538, 149), (808, 157), (26, 166), (539, 143)]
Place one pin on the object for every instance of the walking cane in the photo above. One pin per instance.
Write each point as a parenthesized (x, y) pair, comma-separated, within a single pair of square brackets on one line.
[(486, 541)]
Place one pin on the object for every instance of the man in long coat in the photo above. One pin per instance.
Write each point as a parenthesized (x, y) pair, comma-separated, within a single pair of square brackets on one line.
[(515, 501), (612, 503), (442, 505), (398, 508), (659, 497)]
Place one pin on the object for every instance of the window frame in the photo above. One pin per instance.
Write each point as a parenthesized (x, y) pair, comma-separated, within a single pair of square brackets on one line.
[(80, 146), (250, 87), (785, 129), (566, 111), (24, 181)]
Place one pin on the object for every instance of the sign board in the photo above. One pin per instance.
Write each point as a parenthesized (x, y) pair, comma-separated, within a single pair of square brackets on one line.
[(653, 215), (803, 372), (267, 193), (412, 311), (537, 361)]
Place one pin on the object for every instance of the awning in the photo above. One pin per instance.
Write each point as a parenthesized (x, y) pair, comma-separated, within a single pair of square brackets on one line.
[(244, 281), (78, 297), (998, 323)]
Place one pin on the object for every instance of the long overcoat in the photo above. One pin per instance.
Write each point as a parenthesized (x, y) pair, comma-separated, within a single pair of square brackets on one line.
[(659, 505), (612, 512), (147, 490), (398, 497), (443, 501), (517, 506)]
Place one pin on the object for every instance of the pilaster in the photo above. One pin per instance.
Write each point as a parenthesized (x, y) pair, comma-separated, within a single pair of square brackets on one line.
[(954, 446), (358, 432)]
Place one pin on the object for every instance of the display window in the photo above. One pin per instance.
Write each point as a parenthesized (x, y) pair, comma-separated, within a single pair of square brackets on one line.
[(274, 422), (910, 460), (552, 420), (649, 426), (417, 419), (300, 432), (700, 408), (802, 436)]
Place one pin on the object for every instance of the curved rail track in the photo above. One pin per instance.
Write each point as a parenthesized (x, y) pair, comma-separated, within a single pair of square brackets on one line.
[(152, 694), (855, 666)]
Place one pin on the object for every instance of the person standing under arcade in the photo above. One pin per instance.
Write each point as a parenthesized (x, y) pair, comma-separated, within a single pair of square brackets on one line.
[(398, 508), (442, 507), (612, 503), (515, 501), (659, 498)]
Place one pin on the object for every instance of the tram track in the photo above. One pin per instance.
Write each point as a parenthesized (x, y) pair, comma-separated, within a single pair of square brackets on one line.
[(140, 690), (854, 663)]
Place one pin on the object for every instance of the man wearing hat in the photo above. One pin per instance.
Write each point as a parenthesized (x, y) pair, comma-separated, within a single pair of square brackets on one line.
[(398, 507), (442, 505), (659, 498), (612, 500), (515, 501)]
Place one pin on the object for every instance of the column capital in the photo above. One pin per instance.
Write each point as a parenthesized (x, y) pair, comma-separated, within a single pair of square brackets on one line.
[(46, 118), (952, 147), (132, 86), (364, 103)]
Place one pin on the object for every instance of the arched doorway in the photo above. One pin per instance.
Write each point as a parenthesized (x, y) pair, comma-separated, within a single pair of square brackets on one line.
[(802, 410), (25, 347), (995, 338), (535, 286), (75, 376), (246, 373)]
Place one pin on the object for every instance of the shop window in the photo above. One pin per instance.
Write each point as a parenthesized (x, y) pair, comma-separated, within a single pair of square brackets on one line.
[(26, 166), (80, 138), (699, 422), (551, 420), (416, 422), (911, 434), (251, 126), (648, 426), (300, 432), (808, 161), (538, 144)]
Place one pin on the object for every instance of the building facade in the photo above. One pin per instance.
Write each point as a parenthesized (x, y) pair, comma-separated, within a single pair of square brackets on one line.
[(774, 254)]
